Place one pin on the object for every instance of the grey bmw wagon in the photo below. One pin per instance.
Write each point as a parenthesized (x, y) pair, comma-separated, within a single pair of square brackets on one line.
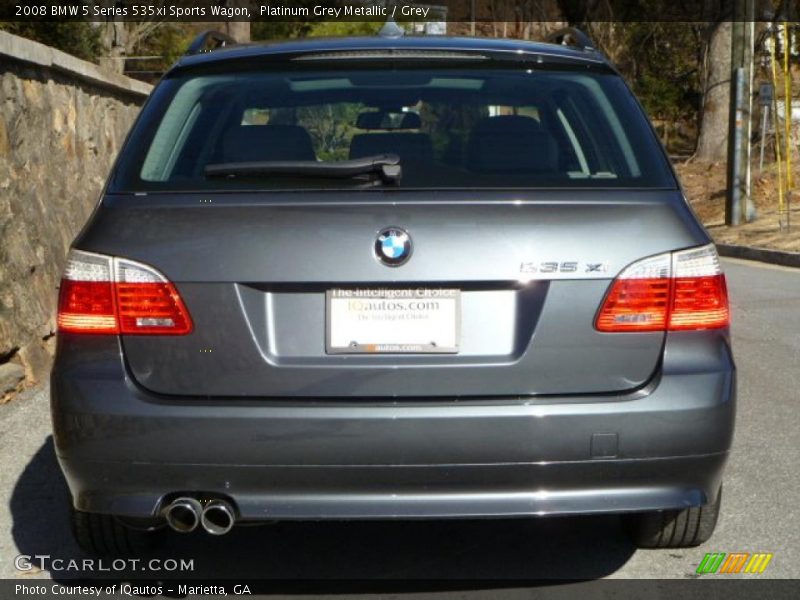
[(392, 278)]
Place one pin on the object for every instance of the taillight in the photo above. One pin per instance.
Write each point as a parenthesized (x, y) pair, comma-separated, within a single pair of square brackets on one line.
[(639, 298), (672, 291), (699, 295), (86, 298), (105, 295)]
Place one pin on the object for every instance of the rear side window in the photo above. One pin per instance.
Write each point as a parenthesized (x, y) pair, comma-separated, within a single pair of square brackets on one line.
[(494, 128)]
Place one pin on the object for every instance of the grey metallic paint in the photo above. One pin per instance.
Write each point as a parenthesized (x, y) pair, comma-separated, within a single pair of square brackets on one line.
[(124, 449), (538, 414), (253, 271)]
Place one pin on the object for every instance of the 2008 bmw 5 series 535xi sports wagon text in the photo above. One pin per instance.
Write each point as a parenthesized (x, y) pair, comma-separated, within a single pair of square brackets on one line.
[(392, 278)]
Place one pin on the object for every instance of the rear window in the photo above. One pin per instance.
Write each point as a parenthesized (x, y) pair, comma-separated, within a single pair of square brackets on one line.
[(493, 128)]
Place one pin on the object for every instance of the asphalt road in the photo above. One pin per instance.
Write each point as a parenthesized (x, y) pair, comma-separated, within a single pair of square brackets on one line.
[(760, 510)]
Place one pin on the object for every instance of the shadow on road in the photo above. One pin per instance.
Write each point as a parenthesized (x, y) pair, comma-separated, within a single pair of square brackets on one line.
[(39, 507), (514, 549)]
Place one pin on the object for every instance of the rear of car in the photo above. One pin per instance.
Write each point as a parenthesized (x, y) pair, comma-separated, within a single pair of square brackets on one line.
[(365, 279)]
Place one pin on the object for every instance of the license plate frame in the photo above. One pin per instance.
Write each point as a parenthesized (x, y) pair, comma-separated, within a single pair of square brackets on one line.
[(446, 334)]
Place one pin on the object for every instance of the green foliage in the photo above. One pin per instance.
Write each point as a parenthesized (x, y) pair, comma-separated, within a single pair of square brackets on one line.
[(331, 127), (278, 30), (344, 28), (449, 127), (169, 42), (272, 30), (662, 63), (78, 38)]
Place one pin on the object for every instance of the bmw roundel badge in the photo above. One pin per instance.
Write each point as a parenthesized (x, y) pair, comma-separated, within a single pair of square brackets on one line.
[(393, 246)]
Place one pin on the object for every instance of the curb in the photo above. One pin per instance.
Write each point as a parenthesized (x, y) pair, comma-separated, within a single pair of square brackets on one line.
[(775, 257)]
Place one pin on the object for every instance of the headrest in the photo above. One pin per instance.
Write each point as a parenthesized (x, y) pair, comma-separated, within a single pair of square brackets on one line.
[(511, 143), (252, 143), (410, 147), (508, 124), (380, 119)]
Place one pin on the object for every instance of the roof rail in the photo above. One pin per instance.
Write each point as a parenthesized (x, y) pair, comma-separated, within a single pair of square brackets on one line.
[(572, 36), (208, 41)]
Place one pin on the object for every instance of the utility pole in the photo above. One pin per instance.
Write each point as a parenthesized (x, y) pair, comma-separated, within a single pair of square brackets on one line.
[(472, 16), (738, 202)]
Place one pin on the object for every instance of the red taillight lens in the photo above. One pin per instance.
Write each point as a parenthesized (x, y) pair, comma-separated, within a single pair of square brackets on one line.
[(105, 295), (679, 291), (635, 305), (87, 307), (699, 303), (154, 308)]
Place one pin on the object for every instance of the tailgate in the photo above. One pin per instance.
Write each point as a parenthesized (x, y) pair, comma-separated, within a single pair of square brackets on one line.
[(256, 274)]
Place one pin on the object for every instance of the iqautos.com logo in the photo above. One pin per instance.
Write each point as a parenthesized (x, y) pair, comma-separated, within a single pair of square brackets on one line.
[(735, 562)]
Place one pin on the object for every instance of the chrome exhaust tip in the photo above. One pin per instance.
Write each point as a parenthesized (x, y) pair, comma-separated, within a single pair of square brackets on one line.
[(217, 517), (183, 514)]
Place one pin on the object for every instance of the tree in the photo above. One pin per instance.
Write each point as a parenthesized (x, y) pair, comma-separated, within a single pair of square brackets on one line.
[(343, 28), (119, 38), (238, 30), (168, 43), (271, 30), (74, 37), (664, 73), (278, 30), (712, 143)]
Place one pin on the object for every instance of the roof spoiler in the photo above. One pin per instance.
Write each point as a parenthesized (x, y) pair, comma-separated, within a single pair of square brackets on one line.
[(571, 36), (208, 41)]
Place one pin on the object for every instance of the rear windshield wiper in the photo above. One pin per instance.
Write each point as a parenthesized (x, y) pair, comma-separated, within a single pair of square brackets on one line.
[(386, 166)]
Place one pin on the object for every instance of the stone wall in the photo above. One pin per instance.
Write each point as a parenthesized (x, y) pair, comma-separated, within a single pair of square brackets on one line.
[(62, 121)]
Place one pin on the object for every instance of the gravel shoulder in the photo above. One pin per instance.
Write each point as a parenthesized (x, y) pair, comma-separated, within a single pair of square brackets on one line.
[(705, 185)]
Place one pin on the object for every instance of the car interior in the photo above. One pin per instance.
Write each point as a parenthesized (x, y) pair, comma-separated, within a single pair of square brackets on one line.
[(446, 131)]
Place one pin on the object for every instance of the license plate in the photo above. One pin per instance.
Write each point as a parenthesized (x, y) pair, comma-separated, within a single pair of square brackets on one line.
[(393, 321)]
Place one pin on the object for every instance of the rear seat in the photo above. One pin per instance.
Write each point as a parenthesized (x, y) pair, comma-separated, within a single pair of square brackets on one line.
[(511, 143)]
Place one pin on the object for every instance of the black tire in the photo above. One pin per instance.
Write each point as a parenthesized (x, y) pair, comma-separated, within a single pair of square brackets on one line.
[(674, 528), (105, 535)]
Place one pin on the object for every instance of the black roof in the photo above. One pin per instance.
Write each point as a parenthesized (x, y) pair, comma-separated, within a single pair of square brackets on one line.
[(493, 48)]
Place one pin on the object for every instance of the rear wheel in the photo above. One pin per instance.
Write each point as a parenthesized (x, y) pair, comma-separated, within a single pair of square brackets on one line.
[(674, 528), (106, 535)]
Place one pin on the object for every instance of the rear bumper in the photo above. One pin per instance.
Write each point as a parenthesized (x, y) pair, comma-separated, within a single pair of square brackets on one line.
[(391, 492), (124, 450)]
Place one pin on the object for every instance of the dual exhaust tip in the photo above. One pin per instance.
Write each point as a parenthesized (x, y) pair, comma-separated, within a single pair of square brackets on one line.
[(185, 514)]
